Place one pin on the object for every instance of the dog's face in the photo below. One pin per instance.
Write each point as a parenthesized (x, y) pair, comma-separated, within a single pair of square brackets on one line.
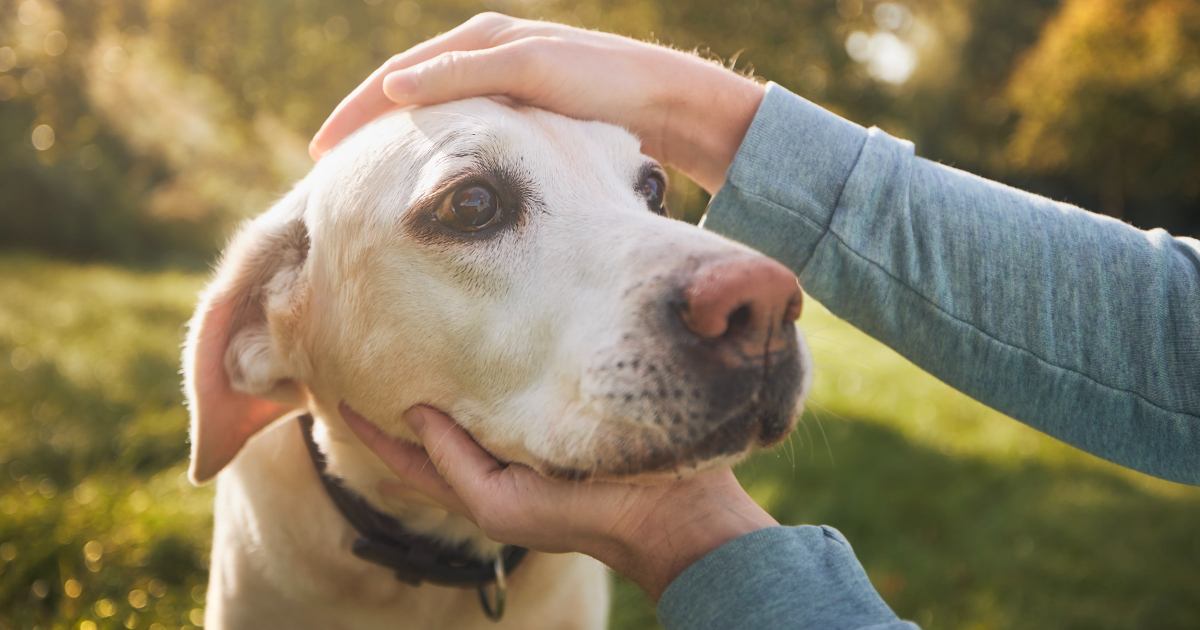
[(516, 269)]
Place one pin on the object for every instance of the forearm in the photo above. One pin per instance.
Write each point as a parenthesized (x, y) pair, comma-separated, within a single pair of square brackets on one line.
[(1076, 324)]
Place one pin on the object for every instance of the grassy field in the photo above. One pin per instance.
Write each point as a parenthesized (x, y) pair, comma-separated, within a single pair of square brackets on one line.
[(962, 517)]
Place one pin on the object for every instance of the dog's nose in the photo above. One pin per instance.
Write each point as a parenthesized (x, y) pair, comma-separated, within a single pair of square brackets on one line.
[(747, 300)]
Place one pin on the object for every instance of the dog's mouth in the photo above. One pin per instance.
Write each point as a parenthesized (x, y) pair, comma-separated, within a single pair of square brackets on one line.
[(660, 436), (731, 440)]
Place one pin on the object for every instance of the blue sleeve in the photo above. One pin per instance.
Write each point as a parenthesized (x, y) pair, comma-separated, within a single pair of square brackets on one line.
[(1079, 325), (1076, 324), (780, 577)]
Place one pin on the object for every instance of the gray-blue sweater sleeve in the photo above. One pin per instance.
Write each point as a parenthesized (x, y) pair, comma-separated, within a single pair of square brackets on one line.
[(1076, 324), (780, 577)]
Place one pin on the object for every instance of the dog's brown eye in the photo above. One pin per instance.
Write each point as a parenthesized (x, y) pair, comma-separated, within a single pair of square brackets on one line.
[(654, 191), (470, 208)]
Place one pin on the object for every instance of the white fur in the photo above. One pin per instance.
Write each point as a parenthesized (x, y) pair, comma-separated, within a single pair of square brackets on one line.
[(332, 299)]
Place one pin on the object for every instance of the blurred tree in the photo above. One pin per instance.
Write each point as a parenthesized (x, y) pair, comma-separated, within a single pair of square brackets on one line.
[(69, 186), (139, 130), (1110, 102)]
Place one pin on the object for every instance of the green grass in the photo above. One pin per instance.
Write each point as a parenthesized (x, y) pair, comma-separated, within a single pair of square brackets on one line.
[(93, 453), (962, 517)]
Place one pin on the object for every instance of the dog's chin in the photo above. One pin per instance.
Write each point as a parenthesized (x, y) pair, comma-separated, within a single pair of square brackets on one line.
[(654, 477), (628, 457), (651, 475)]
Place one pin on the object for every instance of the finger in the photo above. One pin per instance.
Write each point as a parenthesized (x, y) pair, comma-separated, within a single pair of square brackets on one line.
[(367, 102), (408, 461), (409, 491), (459, 460), (416, 470), (513, 69)]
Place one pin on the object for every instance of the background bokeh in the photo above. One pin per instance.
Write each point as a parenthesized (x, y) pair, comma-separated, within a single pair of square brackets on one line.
[(135, 133)]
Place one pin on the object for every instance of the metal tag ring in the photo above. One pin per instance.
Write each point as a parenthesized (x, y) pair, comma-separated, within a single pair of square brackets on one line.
[(495, 613)]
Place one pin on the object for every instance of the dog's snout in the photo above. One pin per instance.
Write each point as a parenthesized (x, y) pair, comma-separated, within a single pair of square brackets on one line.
[(745, 300)]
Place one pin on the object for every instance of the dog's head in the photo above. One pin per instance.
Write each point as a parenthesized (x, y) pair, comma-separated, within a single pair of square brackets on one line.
[(515, 269)]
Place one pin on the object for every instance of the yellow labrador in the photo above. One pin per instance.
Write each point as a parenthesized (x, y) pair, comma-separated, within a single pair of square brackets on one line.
[(514, 268)]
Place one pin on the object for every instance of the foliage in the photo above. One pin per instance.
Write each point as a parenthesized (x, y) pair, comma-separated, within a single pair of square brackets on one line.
[(162, 122), (85, 193), (139, 131), (1110, 98), (97, 520), (962, 518)]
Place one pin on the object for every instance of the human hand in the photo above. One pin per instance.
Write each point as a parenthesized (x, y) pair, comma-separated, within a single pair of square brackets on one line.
[(650, 534), (688, 112)]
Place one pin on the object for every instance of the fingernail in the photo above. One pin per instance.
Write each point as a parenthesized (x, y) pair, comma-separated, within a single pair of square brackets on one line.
[(400, 85), (416, 419)]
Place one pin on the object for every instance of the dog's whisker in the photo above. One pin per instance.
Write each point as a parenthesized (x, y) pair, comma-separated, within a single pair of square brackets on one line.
[(828, 446), (791, 451), (809, 441)]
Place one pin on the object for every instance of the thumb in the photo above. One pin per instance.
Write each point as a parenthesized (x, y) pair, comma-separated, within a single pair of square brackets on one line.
[(458, 459), (514, 69)]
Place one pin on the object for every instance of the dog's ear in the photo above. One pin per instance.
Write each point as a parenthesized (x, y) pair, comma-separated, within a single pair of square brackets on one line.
[(242, 363)]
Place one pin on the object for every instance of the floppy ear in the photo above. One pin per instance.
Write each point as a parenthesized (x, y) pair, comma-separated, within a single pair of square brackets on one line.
[(242, 363)]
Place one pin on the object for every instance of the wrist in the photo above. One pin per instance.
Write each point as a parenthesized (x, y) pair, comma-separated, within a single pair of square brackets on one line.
[(692, 541), (679, 529), (708, 116)]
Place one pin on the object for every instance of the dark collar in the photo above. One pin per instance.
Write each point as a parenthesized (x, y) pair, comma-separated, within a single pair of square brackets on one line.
[(384, 541)]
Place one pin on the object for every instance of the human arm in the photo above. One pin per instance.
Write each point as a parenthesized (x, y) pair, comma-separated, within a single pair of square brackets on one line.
[(1076, 324)]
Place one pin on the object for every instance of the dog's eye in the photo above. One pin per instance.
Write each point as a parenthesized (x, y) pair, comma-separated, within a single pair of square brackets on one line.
[(470, 208), (654, 191)]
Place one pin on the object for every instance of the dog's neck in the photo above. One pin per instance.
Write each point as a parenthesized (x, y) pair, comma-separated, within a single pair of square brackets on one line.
[(279, 541), (361, 471), (385, 541)]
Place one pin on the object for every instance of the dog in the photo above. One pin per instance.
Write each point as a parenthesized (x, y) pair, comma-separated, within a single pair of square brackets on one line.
[(514, 268)]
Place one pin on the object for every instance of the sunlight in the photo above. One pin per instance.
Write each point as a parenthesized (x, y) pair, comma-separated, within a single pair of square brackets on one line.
[(888, 58)]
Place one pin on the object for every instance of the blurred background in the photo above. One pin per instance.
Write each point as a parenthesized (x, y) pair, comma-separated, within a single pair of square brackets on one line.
[(135, 133)]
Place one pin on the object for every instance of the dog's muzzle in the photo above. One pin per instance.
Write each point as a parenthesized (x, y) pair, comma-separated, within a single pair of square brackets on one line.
[(715, 370)]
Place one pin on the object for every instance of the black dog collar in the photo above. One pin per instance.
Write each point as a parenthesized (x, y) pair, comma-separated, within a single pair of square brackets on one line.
[(414, 558)]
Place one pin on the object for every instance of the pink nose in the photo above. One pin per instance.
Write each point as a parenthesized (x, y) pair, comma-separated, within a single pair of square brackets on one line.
[(747, 300)]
